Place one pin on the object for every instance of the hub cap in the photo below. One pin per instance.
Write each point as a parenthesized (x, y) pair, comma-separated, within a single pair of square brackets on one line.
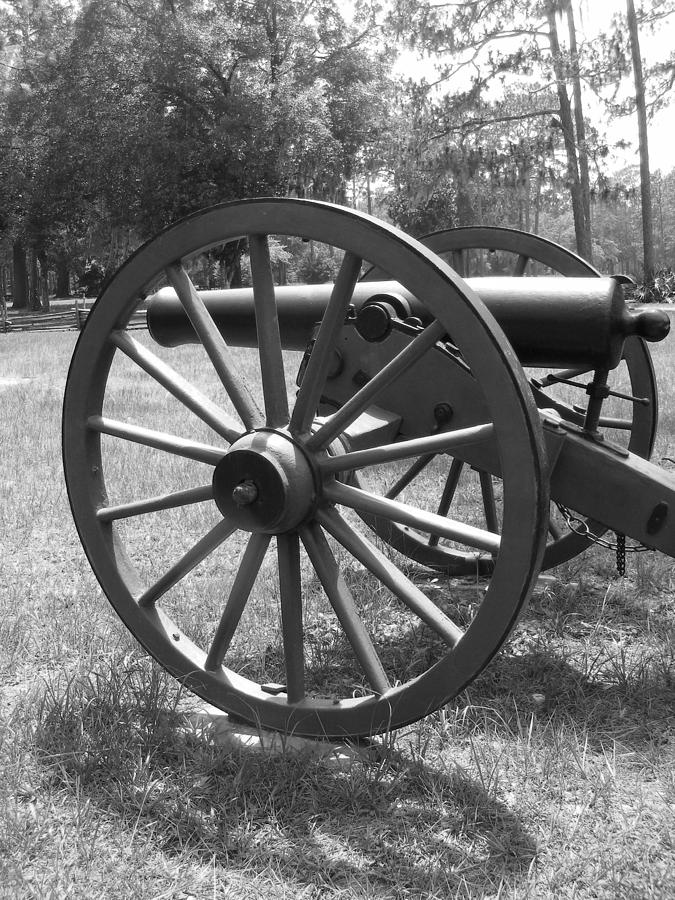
[(265, 483)]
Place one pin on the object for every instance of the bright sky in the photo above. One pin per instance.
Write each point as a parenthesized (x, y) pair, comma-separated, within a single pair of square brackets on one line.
[(656, 45)]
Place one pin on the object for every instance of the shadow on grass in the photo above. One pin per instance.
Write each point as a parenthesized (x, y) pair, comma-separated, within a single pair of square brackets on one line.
[(595, 657), (388, 823), (619, 699)]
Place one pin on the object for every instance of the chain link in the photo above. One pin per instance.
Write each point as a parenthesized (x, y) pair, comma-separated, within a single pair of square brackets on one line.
[(621, 554), (580, 526)]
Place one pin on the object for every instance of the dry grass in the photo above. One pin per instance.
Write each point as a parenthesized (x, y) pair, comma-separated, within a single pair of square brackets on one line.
[(552, 776)]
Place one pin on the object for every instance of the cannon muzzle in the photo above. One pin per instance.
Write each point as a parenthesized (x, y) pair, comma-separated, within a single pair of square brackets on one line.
[(572, 322)]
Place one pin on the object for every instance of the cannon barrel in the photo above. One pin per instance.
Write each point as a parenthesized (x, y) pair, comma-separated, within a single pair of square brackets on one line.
[(576, 322)]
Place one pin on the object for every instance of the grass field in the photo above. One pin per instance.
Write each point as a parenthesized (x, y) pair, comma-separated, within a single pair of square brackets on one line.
[(552, 776)]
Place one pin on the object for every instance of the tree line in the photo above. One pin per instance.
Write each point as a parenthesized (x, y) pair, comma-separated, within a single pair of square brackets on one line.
[(119, 116), (503, 134)]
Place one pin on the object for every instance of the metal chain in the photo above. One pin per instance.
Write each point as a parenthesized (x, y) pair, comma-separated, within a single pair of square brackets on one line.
[(580, 526), (621, 554)]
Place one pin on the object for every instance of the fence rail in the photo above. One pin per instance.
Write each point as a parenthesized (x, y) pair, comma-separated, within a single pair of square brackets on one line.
[(65, 320)]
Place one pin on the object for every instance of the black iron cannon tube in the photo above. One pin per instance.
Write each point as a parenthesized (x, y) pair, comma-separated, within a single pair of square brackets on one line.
[(575, 322)]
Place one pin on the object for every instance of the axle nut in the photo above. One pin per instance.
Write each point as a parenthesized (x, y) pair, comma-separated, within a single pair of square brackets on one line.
[(245, 493), (264, 483)]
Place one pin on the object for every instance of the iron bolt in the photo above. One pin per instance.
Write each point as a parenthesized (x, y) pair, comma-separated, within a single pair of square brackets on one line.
[(245, 493), (442, 413)]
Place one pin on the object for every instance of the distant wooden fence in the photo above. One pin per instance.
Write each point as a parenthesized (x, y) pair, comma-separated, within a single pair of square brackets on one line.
[(63, 320)]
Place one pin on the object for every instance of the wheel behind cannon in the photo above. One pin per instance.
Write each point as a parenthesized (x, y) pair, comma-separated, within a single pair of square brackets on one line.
[(218, 513), (475, 251)]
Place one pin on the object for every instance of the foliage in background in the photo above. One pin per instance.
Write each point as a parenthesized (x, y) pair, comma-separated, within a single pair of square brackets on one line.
[(500, 133), (120, 117)]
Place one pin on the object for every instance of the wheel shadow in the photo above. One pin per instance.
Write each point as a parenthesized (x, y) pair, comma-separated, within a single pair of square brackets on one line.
[(570, 660), (387, 821)]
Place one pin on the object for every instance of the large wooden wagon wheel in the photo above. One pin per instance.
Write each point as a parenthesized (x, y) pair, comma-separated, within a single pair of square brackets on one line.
[(218, 516), (635, 426)]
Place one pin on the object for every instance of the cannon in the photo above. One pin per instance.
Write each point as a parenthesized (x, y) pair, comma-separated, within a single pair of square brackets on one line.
[(307, 456)]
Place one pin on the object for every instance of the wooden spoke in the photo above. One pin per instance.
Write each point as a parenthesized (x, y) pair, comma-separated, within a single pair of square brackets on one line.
[(433, 443), (181, 389), (489, 503), (365, 397), (342, 601), (239, 594), (159, 440), (156, 504), (290, 587), (269, 340), (448, 494), (203, 548), (521, 265), (432, 523), (320, 359), (391, 576), (409, 475), (215, 346)]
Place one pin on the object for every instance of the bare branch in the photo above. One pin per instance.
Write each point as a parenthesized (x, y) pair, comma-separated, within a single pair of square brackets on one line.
[(476, 124)]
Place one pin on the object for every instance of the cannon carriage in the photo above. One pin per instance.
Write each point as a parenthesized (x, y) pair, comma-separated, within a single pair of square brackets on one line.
[(262, 531)]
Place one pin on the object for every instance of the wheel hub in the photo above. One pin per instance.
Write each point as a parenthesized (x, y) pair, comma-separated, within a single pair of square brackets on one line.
[(265, 483)]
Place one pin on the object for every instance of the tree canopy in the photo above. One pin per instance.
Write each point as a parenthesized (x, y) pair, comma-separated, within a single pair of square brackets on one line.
[(122, 115), (119, 116), (503, 122)]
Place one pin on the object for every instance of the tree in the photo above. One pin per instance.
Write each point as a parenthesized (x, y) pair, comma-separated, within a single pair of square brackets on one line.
[(29, 31), (641, 112), (580, 128), (618, 63), (487, 43), (116, 139), (469, 161), (569, 131)]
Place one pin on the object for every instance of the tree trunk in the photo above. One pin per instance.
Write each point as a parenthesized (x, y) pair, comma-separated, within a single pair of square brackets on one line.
[(537, 197), (527, 185), (33, 281), (569, 136), (465, 206), (62, 278), (19, 276), (659, 201), (645, 186), (584, 178), (43, 292)]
